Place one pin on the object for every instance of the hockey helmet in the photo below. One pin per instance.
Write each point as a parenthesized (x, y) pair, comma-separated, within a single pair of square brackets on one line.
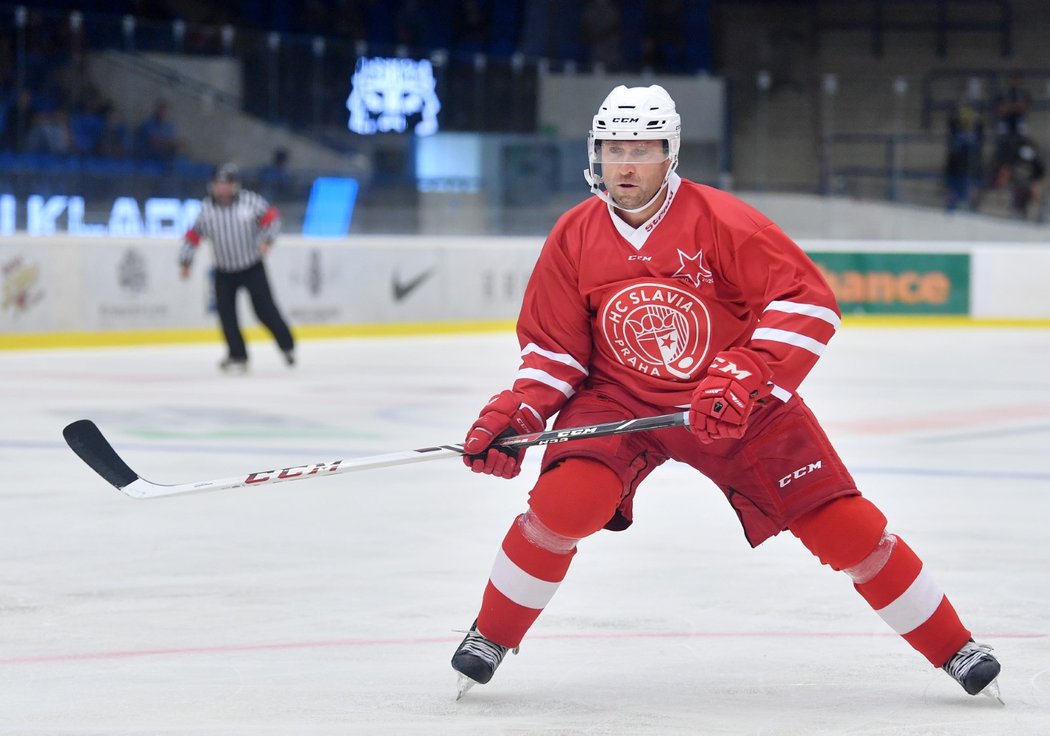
[(226, 173), (633, 114)]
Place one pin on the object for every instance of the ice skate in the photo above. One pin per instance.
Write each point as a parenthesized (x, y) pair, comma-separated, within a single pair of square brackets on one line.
[(476, 660), (234, 365), (976, 669)]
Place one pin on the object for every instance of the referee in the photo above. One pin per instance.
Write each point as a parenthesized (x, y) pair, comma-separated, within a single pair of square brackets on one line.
[(241, 226)]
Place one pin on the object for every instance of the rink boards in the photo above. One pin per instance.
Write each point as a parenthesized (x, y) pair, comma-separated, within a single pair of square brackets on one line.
[(75, 290)]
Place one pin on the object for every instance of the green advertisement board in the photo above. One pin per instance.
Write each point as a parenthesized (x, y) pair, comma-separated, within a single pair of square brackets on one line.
[(898, 283)]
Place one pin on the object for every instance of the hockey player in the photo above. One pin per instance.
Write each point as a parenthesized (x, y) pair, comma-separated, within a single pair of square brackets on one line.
[(657, 295)]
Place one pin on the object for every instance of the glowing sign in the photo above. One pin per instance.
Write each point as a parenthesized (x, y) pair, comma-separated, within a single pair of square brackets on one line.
[(160, 217), (385, 92)]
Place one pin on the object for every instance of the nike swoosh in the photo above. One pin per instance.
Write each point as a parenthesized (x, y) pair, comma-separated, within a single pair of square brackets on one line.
[(403, 288)]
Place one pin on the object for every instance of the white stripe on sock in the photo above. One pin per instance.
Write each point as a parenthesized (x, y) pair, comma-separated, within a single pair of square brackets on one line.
[(914, 606), (518, 585)]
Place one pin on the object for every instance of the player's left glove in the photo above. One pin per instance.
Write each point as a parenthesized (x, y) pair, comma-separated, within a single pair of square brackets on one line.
[(504, 415), (736, 380)]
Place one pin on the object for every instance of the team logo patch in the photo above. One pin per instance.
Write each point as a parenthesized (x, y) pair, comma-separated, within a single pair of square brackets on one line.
[(657, 329)]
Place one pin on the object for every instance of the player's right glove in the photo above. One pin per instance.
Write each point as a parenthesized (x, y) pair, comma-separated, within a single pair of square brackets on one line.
[(722, 402), (503, 416)]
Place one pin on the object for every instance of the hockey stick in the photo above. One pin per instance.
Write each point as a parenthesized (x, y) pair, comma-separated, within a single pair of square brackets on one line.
[(85, 439)]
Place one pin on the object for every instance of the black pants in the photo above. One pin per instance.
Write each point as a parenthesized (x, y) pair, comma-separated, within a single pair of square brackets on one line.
[(254, 280)]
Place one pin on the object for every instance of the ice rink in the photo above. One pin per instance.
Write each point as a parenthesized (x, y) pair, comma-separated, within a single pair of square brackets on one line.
[(333, 605)]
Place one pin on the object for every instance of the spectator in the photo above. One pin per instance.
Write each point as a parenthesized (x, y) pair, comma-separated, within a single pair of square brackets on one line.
[(1023, 176), (86, 125), (1011, 108), (155, 137), (965, 143), (49, 133), (1011, 119)]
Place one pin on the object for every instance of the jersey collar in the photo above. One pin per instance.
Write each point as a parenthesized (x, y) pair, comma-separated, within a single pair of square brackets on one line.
[(637, 236)]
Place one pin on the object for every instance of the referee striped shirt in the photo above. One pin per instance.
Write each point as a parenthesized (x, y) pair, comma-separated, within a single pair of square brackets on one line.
[(235, 231)]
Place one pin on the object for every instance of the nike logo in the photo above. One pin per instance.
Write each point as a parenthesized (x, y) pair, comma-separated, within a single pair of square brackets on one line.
[(403, 288)]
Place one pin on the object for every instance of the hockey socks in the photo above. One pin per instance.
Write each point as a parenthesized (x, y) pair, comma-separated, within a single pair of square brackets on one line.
[(524, 578), (911, 602), (849, 534), (570, 501)]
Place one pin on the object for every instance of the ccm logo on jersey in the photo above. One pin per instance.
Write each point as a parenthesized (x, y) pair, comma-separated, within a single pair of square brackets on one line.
[(804, 470)]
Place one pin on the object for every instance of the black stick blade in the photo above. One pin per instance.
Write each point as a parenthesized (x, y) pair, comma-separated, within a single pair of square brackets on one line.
[(85, 439)]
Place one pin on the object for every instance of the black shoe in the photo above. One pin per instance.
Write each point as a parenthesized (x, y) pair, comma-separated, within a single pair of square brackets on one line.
[(289, 357), (234, 365), (477, 659), (975, 669)]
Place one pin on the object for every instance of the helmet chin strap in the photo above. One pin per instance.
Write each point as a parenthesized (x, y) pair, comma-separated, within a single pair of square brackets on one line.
[(597, 183)]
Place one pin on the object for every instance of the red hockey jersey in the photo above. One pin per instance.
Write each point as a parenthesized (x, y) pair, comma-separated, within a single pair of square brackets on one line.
[(648, 308)]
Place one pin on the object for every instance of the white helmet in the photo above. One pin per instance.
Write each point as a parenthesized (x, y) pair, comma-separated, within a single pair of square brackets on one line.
[(633, 113)]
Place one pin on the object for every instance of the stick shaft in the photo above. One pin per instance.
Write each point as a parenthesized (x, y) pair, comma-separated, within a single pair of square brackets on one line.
[(88, 442)]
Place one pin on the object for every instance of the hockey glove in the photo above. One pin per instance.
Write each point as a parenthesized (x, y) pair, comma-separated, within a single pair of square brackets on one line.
[(503, 416), (736, 380)]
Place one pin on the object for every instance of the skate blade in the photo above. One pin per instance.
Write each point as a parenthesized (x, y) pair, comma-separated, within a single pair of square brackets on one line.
[(464, 683), (992, 691)]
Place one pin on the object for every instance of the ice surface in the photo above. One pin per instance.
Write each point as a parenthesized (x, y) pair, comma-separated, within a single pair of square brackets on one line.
[(332, 606)]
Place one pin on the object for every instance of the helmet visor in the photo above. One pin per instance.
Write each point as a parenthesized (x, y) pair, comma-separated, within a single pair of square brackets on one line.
[(618, 151)]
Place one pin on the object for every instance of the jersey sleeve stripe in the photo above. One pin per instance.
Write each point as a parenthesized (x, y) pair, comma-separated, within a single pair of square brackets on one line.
[(559, 357), (809, 310), (533, 374), (789, 338), (534, 412)]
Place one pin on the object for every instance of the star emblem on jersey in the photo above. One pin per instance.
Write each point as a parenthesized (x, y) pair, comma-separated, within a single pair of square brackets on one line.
[(693, 269)]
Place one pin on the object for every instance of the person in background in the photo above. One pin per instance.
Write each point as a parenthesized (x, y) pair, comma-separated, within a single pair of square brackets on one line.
[(965, 147), (241, 226), (1011, 121), (660, 295), (49, 133), (1023, 175), (155, 138), (1011, 108)]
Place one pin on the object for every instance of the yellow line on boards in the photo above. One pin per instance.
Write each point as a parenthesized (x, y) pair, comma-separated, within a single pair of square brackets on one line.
[(126, 338), (938, 321)]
